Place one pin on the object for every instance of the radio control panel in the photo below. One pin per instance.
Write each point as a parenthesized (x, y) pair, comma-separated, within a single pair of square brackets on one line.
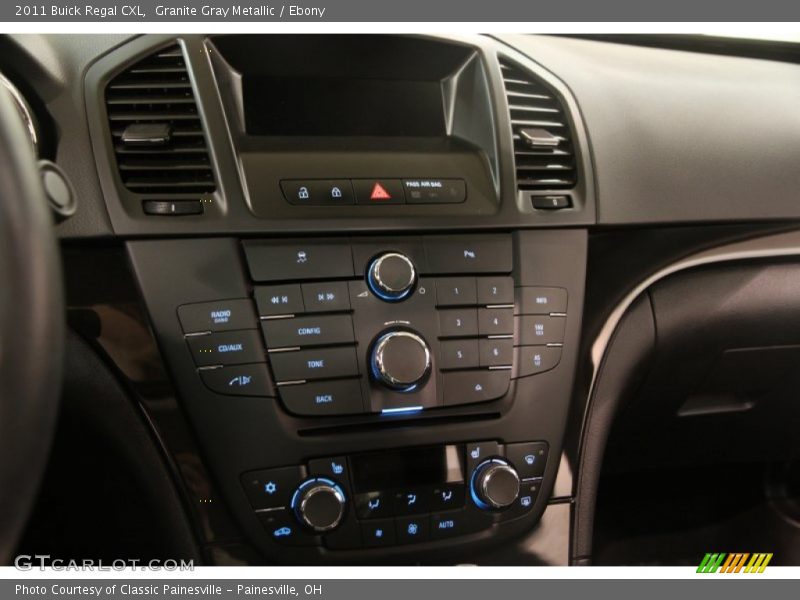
[(345, 328)]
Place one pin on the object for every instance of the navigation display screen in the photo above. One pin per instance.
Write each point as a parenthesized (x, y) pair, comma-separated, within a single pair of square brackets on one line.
[(320, 106)]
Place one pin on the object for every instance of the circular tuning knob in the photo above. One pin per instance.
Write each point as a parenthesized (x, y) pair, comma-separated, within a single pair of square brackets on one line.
[(494, 484), (401, 360), (319, 504), (391, 276)]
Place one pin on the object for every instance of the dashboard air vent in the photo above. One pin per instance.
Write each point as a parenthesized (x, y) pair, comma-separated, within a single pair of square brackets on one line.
[(543, 152), (156, 128)]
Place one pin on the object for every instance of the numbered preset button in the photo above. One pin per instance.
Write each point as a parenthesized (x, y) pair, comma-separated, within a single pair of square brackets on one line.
[(458, 322)]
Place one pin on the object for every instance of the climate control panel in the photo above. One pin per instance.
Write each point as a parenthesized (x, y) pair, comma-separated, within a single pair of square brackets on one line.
[(397, 497)]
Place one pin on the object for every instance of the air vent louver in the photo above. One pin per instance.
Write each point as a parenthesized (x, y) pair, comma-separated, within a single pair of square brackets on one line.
[(543, 152), (156, 129)]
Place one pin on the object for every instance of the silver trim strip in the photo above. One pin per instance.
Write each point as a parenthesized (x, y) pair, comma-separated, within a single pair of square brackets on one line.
[(769, 246)]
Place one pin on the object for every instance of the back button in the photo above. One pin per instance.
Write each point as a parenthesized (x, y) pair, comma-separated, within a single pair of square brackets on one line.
[(323, 398)]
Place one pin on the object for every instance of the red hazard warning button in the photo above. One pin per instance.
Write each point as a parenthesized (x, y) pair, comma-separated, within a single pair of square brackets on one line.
[(379, 191)]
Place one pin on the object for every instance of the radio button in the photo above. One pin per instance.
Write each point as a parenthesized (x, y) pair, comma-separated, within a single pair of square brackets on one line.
[(459, 354), (540, 300), (411, 530), (456, 291), (323, 297), (495, 290), (496, 352), (496, 321), (536, 359), (323, 398), (458, 322), (308, 331), (320, 363), (540, 330), (227, 348), (274, 300), (224, 315), (239, 380), (275, 261), (467, 387)]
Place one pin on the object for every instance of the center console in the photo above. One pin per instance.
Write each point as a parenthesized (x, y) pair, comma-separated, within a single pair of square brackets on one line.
[(382, 393), (370, 312)]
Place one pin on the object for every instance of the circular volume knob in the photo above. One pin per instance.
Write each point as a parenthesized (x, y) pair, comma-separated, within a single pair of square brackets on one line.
[(391, 276), (401, 360), (319, 504), (494, 484)]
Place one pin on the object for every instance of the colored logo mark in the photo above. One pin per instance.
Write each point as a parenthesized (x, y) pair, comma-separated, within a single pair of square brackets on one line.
[(737, 562)]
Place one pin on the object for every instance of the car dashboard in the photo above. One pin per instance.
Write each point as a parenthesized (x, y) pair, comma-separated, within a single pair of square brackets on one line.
[(404, 298)]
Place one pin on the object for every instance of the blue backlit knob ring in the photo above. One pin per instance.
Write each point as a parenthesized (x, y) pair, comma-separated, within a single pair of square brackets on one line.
[(319, 504), (494, 484)]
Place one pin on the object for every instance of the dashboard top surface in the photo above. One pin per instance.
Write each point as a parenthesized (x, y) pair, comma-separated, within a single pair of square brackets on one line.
[(664, 136)]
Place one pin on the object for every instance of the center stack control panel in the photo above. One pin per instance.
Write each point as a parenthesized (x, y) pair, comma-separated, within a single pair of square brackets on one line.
[(350, 327), (362, 399)]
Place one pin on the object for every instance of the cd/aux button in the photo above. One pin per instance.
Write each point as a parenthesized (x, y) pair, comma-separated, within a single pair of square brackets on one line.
[(227, 348)]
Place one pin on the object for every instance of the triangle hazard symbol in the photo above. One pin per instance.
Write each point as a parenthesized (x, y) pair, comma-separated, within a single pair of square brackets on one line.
[(379, 193)]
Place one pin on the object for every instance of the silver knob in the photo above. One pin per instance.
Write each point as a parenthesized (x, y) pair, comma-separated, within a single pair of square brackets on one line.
[(495, 484), (319, 504), (401, 360), (391, 276)]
